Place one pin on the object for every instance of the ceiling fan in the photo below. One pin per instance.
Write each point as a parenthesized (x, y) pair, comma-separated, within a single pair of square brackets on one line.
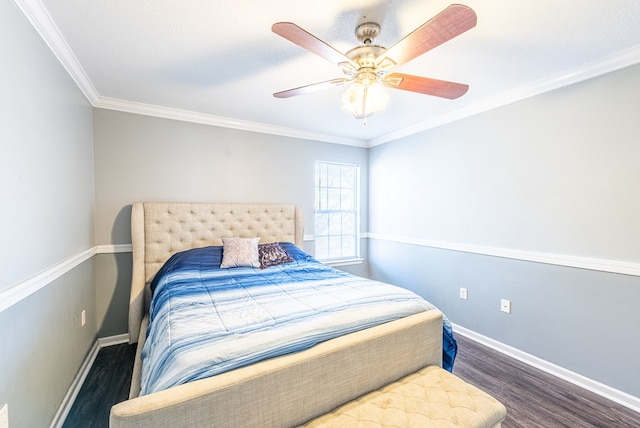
[(367, 65)]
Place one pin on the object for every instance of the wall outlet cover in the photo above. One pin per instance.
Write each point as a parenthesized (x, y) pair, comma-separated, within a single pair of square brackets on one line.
[(505, 306)]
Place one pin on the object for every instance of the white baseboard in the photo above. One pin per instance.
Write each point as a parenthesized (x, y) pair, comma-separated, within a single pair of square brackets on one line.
[(596, 387), (78, 381), (74, 389), (605, 391), (113, 340)]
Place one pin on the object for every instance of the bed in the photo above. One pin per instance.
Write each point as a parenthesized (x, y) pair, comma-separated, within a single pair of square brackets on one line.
[(277, 389)]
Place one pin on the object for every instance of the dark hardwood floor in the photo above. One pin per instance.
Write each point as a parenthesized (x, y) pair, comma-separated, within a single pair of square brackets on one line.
[(106, 384), (533, 398)]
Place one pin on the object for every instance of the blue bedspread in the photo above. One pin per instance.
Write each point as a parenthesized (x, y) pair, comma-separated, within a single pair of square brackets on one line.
[(205, 320)]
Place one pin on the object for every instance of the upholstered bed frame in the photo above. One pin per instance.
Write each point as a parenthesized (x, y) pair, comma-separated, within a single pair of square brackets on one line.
[(280, 392)]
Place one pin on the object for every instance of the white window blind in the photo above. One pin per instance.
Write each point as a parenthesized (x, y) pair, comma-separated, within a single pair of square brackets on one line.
[(337, 213)]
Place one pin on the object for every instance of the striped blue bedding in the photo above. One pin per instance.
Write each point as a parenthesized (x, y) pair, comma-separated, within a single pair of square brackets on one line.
[(205, 320)]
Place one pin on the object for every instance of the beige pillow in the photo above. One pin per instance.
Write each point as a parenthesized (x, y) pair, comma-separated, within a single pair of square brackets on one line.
[(237, 252)]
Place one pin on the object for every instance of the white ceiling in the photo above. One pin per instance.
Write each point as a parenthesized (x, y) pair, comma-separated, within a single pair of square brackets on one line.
[(217, 61)]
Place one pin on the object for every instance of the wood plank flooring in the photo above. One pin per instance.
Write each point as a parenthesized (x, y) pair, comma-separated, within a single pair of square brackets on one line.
[(106, 384), (533, 398)]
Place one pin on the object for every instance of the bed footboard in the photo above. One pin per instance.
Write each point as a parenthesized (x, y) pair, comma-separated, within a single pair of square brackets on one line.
[(290, 390)]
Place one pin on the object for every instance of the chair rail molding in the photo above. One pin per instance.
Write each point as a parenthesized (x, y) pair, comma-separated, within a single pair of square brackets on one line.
[(22, 290), (604, 265), (17, 292)]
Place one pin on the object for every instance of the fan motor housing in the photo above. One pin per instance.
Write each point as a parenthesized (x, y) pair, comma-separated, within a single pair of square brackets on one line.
[(365, 55), (367, 32)]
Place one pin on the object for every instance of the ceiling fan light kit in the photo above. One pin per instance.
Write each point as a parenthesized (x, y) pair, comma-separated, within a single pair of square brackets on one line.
[(366, 95), (367, 65), (364, 99)]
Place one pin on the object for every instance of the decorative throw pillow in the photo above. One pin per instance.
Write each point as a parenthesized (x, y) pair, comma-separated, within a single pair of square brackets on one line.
[(272, 254), (237, 252)]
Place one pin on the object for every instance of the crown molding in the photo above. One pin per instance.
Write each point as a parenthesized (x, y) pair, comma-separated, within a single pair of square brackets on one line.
[(47, 29), (609, 64), (40, 19), (225, 122), (612, 63)]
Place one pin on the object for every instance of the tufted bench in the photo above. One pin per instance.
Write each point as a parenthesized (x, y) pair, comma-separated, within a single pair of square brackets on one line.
[(431, 397)]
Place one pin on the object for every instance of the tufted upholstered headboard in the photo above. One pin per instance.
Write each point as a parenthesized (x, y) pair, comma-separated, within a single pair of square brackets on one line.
[(161, 229)]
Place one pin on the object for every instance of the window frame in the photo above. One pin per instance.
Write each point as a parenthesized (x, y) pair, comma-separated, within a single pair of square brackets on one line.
[(322, 191)]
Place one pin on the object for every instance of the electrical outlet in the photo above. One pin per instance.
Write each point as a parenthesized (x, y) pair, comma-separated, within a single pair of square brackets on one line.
[(4, 416), (505, 306), (463, 293), (83, 320)]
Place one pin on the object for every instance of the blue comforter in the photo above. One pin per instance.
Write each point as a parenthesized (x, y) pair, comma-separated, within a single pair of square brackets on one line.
[(205, 320)]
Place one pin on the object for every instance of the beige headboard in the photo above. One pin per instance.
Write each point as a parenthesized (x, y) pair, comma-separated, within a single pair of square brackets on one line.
[(161, 229)]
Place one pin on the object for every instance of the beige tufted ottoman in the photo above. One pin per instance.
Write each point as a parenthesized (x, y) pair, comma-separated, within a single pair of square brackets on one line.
[(432, 397)]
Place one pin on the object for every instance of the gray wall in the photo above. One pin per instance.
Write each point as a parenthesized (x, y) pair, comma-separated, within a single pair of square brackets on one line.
[(554, 174), (47, 190), (43, 346), (141, 158)]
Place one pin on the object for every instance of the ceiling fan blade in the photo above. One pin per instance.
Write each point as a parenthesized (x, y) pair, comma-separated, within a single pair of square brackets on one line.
[(303, 38), (311, 88), (425, 85), (451, 22)]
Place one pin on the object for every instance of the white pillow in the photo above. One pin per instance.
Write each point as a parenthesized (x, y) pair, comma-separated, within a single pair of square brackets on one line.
[(237, 252)]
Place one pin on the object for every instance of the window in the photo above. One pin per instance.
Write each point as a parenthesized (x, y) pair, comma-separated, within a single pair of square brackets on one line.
[(337, 211)]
